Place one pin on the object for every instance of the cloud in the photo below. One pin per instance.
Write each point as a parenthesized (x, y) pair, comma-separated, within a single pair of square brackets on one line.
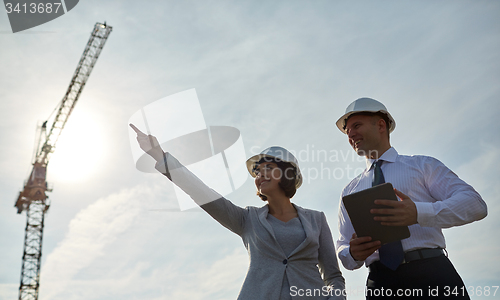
[(89, 233), (123, 246), (217, 280)]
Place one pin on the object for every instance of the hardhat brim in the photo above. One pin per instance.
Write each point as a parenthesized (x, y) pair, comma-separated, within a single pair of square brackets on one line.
[(256, 158), (342, 120)]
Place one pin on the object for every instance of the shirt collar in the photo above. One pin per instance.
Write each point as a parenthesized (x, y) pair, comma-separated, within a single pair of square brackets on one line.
[(390, 156)]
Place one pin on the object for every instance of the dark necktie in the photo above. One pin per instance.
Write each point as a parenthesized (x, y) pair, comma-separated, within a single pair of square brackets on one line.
[(391, 254)]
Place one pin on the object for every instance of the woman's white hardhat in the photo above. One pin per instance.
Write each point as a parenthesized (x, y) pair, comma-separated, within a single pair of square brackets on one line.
[(365, 105), (280, 154)]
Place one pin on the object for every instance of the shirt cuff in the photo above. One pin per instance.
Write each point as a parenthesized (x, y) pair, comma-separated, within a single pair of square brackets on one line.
[(348, 261), (425, 214)]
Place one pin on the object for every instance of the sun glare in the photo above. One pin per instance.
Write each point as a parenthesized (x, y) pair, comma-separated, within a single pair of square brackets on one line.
[(79, 150)]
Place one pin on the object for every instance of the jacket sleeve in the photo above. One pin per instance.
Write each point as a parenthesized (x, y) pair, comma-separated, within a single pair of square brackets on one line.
[(328, 265), (224, 211)]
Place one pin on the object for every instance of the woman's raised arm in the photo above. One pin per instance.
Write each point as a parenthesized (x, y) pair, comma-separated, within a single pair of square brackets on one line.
[(224, 211)]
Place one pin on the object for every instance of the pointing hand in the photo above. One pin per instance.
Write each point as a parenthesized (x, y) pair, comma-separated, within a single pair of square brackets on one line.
[(149, 144)]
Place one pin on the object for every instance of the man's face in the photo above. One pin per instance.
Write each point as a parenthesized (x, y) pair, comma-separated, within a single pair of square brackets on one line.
[(363, 133)]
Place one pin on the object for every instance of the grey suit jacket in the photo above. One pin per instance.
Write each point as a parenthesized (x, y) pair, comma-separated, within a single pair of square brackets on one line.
[(312, 269)]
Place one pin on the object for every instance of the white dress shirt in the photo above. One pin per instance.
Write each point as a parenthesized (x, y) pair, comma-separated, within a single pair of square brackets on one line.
[(442, 199)]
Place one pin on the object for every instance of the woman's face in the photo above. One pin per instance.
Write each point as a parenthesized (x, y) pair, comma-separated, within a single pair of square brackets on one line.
[(268, 176)]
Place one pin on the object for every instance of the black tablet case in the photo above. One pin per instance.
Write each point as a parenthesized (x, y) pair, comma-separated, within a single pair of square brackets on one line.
[(358, 207)]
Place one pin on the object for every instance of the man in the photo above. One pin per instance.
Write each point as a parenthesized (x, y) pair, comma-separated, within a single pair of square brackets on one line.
[(431, 197)]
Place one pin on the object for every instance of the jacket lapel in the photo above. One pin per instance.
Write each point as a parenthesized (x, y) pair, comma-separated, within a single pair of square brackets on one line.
[(306, 224), (262, 212)]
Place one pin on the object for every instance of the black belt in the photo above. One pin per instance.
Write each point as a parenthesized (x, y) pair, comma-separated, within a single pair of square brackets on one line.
[(413, 256), (421, 254)]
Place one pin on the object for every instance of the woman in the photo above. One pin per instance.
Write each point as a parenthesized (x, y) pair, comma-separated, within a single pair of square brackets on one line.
[(291, 250)]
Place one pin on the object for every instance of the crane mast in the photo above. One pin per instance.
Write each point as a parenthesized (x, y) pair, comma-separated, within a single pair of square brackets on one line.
[(33, 198)]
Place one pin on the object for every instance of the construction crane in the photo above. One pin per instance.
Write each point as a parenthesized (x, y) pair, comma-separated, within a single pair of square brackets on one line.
[(33, 198)]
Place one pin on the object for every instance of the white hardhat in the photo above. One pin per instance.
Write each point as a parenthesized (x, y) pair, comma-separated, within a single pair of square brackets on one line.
[(280, 154), (365, 105)]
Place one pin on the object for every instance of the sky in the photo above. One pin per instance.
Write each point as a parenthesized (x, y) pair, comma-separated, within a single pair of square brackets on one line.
[(282, 73)]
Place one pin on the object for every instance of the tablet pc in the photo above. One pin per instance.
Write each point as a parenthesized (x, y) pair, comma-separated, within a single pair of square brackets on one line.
[(358, 207)]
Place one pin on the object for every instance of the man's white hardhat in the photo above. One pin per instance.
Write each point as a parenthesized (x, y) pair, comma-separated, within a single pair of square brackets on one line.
[(280, 154), (365, 105)]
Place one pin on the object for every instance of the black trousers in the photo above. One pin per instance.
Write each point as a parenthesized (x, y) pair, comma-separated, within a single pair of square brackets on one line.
[(431, 278)]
